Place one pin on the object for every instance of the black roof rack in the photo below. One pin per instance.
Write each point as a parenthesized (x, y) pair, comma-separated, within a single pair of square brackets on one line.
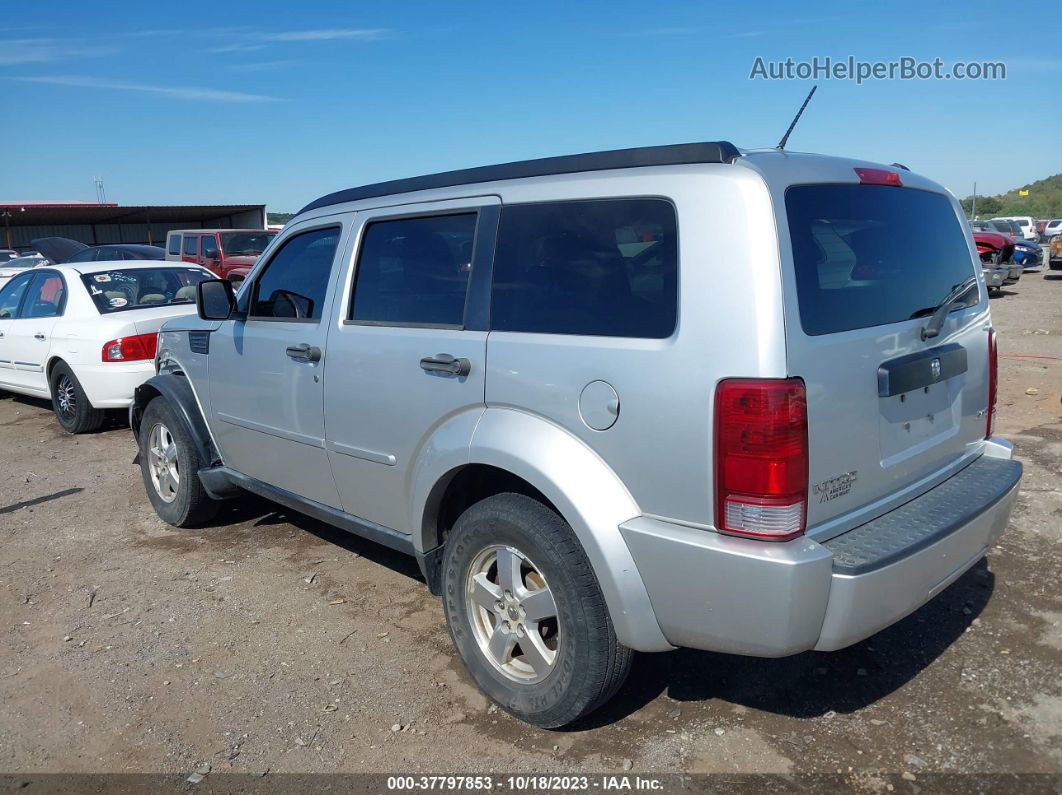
[(673, 155)]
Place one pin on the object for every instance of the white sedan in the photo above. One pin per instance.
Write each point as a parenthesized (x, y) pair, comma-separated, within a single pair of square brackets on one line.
[(84, 335)]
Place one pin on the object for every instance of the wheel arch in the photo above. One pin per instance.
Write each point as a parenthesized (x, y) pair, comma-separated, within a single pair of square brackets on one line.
[(175, 388), (515, 451)]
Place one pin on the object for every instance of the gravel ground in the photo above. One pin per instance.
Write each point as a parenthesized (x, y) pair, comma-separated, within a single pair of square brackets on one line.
[(270, 642)]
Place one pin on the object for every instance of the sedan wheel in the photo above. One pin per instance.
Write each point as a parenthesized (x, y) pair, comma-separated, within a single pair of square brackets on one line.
[(162, 464), (66, 398)]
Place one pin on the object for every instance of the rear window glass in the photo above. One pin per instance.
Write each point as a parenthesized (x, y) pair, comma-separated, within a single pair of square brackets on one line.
[(173, 244), (604, 268), (869, 255), (119, 290)]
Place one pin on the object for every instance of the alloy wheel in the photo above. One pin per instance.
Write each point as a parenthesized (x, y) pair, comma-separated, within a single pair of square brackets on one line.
[(513, 614), (162, 463)]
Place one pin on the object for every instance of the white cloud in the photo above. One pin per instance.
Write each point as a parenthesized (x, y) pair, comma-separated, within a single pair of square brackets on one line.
[(181, 92), (328, 34), (18, 51)]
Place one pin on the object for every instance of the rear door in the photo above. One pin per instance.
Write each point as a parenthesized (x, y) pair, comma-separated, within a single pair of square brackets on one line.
[(889, 414), (407, 352)]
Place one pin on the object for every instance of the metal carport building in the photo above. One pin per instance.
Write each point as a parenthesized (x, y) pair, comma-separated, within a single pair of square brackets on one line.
[(95, 224)]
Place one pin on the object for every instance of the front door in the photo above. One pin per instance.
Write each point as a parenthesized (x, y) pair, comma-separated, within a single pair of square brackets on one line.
[(266, 367), (407, 350), (30, 334), (10, 300)]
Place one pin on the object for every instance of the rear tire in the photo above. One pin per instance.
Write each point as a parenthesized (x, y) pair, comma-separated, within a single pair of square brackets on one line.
[(539, 642), (71, 404), (169, 464)]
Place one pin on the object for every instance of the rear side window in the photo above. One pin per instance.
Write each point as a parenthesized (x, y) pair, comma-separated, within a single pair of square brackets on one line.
[(191, 245), (414, 271), (173, 244), (295, 281), (45, 296), (604, 268), (869, 255)]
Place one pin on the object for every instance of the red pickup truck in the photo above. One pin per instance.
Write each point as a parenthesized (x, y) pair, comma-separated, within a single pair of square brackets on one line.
[(230, 253)]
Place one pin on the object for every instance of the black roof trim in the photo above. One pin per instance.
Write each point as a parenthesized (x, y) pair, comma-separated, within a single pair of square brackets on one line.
[(673, 155)]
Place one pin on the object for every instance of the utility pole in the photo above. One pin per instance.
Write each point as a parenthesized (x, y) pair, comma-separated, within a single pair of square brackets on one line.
[(7, 225), (973, 208)]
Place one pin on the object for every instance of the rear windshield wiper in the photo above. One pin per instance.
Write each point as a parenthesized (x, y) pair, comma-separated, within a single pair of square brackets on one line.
[(941, 310)]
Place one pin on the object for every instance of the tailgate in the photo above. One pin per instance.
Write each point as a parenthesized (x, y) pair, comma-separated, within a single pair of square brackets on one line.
[(887, 410)]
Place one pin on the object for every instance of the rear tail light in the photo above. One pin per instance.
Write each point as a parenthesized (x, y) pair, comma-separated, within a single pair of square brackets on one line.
[(879, 176), (131, 349), (993, 380), (761, 458)]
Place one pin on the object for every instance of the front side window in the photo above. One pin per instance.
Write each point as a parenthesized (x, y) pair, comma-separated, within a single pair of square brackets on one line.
[(210, 247), (414, 271), (121, 289), (294, 283), (869, 255), (45, 296), (603, 268), (191, 245), (11, 295)]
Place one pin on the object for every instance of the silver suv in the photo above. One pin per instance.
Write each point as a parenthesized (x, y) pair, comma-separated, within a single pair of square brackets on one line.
[(632, 400)]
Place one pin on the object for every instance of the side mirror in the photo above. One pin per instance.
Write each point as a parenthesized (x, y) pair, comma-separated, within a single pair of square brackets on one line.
[(214, 299)]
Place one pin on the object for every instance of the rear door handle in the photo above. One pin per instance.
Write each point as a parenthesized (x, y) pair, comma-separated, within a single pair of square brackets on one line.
[(39, 336), (445, 363), (304, 352)]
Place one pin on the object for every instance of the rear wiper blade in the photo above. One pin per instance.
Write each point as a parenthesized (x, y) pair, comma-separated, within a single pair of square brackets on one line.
[(940, 312)]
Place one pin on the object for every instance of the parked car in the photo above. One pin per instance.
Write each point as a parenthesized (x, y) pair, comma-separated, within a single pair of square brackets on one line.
[(84, 336), (1055, 253), (61, 250), (995, 251), (1052, 228), (1024, 225), (220, 250), (6, 254), (13, 267), (990, 240), (1029, 255), (778, 442)]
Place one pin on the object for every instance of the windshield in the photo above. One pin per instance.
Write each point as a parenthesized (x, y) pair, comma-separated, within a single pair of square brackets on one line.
[(120, 290), (253, 243), (868, 255)]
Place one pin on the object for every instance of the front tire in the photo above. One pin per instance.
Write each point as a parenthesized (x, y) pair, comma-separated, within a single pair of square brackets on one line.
[(169, 464), (71, 404), (526, 612)]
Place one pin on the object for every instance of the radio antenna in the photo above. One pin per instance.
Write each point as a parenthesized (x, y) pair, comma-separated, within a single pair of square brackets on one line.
[(781, 144)]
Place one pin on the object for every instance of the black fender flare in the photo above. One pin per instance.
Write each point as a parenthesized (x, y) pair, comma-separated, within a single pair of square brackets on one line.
[(174, 387)]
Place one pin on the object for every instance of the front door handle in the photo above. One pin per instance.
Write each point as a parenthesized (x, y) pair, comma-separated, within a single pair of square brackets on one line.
[(445, 363), (39, 336), (304, 352)]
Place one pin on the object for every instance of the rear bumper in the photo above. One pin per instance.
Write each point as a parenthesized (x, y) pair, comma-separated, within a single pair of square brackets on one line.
[(742, 596), (110, 385), (994, 278)]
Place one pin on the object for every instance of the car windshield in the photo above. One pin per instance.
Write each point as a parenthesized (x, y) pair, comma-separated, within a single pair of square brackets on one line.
[(253, 243), (120, 290), (868, 255)]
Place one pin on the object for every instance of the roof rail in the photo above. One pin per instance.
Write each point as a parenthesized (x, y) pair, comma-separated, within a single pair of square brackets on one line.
[(672, 155)]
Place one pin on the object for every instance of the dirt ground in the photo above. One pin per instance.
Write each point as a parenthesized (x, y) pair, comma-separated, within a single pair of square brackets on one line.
[(269, 642)]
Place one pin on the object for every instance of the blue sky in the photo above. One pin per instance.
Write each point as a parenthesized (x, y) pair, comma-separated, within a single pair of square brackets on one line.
[(282, 102)]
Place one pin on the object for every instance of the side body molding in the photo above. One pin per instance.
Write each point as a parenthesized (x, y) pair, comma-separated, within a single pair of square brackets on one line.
[(589, 496)]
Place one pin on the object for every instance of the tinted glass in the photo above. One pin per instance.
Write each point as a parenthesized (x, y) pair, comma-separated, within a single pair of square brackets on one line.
[(45, 296), (11, 294), (210, 247), (245, 243), (415, 270), (867, 255), (191, 245), (173, 244), (120, 290), (603, 268), (295, 281), (87, 255)]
